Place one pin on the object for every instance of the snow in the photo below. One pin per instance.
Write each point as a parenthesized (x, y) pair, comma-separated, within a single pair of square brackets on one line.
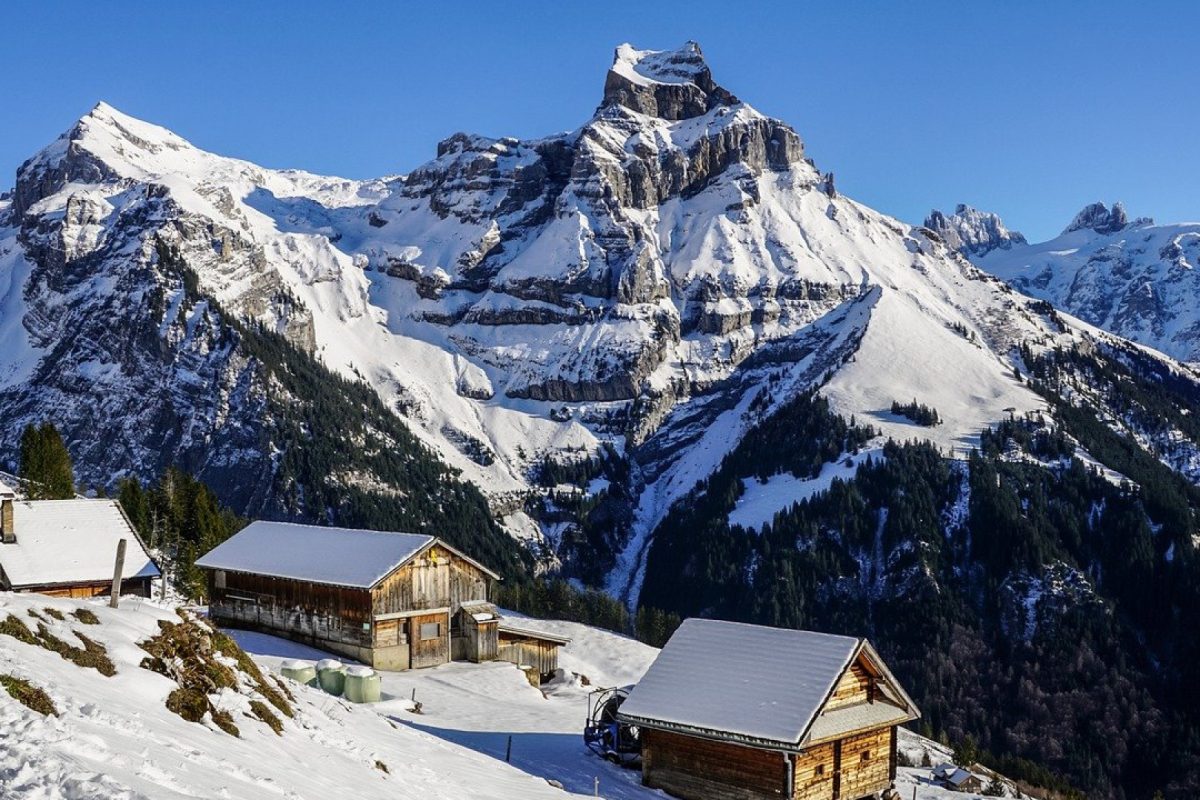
[(479, 706), (647, 67), (1138, 282), (115, 738), (71, 541), (771, 691), (760, 502), (338, 556)]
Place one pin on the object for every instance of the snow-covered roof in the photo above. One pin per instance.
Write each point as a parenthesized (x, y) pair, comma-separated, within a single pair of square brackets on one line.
[(70, 542), (314, 553), (760, 683), (516, 630)]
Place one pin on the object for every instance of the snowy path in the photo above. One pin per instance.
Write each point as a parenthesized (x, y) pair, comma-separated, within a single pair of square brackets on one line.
[(479, 706)]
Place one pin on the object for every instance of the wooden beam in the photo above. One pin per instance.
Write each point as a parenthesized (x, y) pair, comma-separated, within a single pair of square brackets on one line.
[(118, 568), (837, 769)]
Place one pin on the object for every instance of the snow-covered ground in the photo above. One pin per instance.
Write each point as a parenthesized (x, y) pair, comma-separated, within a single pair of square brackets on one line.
[(760, 502), (114, 737)]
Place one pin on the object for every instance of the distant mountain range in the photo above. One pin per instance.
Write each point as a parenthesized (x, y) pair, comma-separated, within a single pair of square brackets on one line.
[(599, 343)]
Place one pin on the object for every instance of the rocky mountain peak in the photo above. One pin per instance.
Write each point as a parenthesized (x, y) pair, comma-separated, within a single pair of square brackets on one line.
[(669, 84), (973, 232), (1099, 218), (103, 145)]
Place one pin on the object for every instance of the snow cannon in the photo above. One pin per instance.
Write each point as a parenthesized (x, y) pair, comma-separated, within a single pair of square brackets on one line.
[(298, 670), (332, 676), (605, 735), (362, 685)]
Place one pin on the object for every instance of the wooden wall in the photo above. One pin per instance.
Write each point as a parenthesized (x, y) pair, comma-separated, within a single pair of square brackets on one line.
[(866, 763), (435, 579), (701, 769), (311, 610), (429, 652), (813, 773), (853, 687), (139, 587), (537, 653)]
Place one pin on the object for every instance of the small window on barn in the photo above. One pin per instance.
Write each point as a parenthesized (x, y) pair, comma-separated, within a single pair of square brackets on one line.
[(866, 756), (430, 630), (219, 578), (820, 770)]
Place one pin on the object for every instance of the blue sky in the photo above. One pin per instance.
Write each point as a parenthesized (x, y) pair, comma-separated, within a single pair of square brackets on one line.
[(1030, 109)]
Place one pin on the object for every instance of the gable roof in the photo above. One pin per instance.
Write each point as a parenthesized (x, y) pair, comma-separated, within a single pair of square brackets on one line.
[(71, 542), (350, 557), (755, 684)]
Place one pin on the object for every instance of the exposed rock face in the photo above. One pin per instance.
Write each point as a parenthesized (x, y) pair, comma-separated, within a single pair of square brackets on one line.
[(1099, 218), (671, 85), (1133, 278), (972, 232)]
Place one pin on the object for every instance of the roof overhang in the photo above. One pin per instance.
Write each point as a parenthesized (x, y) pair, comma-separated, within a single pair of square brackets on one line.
[(531, 634)]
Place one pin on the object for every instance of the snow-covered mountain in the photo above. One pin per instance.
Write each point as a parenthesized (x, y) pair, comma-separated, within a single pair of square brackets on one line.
[(1131, 277), (973, 232), (638, 283)]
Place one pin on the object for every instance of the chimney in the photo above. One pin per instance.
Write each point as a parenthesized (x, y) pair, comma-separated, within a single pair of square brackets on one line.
[(8, 533)]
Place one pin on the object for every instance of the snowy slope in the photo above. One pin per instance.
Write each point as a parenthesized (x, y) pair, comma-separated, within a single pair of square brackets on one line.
[(1130, 277), (114, 737), (636, 282)]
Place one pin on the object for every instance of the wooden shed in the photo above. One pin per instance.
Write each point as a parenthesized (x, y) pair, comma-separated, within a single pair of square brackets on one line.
[(530, 648), (68, 548), (730, 711), (392, 600)]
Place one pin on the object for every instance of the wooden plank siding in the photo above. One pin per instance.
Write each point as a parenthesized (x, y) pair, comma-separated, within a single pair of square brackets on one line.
[(813, 773), (433, 579), (853, 687), (526, 651), (139, 587), (703, 769), (381, 626), (429, 652), (866, 763), (312, 612)]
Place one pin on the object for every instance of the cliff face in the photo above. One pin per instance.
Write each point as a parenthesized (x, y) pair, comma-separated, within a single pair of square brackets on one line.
[(650, 284)]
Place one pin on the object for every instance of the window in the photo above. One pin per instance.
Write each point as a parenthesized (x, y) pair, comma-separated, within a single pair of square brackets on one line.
[(819, 771), (219, 578), (430, 630), (866, 756)]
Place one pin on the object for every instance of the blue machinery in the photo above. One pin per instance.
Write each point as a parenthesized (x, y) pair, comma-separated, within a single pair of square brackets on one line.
[(605, 735)]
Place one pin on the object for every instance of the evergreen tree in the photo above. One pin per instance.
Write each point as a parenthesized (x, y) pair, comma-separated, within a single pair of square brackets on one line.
[(46, 464)]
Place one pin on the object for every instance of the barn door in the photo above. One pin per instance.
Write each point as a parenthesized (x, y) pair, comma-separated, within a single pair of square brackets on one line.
[(429, 640)]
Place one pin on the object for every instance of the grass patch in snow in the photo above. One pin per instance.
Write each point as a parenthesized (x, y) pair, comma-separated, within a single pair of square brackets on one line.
[(264, 713), (86, 616), (382, 767), (54, 612), (14, 627), (196, 657), (28, 695), (92, 654)]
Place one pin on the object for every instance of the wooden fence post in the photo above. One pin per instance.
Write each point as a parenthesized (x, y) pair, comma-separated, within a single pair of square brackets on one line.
[(118, 568)]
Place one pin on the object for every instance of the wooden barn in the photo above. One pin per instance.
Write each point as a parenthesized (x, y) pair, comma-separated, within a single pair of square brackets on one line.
[(68, 548), (392, 600), (743, 712), (535, 650)]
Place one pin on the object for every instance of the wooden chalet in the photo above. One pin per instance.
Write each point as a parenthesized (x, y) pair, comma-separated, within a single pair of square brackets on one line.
[(743, 712), (68, 548), (535, 650), (392, 600)]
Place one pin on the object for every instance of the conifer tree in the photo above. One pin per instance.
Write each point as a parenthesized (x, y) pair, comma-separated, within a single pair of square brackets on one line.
[(46, 464)]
